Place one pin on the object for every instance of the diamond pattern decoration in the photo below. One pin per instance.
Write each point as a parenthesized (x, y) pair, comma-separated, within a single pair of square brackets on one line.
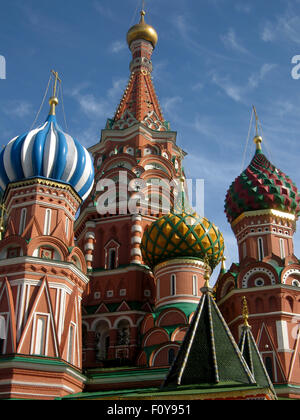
[(260, 187), (182, 235)]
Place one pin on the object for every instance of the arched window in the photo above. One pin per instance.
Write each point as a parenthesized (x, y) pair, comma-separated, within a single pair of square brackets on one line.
[(173, 285), (47, 222), (2, 333), (195, 285), (40, 336), (260, 244), (22, 221), (171, 356), (67, 227), (269, 368), (111, 258), (244, 250), (123, 333), (282, 249), (102, 340), (70, 356)]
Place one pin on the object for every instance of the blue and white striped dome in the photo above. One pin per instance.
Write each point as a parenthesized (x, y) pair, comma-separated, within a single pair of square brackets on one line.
[(47, 152)]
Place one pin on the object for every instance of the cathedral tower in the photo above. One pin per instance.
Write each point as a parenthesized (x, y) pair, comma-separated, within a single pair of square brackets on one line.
[(137, 163), (262, 206), (45, 175)]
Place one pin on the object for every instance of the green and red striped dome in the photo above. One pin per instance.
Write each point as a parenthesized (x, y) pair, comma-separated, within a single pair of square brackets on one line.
[(260, 187)]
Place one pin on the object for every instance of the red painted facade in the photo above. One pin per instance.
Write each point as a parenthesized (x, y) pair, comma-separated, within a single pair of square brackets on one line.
[(77, 295)]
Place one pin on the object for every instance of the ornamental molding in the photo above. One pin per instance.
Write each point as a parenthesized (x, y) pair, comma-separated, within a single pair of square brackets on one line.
[(178, 262), (268, 212), (288, 273), (258, 270)]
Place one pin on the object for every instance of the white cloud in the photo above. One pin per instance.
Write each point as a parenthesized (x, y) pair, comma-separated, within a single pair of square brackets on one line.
[(284, 27), (19, 109), (239, 92), (231, 42), (170, 104), (117, 46), (243, 8), (115, 92)]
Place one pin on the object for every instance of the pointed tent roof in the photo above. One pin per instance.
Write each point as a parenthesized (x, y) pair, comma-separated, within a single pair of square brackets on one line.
[(252, 356), (209, 353), (250, 352)]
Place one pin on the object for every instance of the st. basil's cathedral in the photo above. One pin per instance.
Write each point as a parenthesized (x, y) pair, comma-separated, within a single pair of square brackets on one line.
[(102, 300)]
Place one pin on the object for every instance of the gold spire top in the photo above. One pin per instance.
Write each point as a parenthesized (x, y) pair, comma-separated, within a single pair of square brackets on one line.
[(207, 272), (53, 101), (245, 312), (142, 31), (257, 139)]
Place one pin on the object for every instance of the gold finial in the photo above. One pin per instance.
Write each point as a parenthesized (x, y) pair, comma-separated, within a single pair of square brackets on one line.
[(207, 272), (245, 312), (54, 100), (224, 262), (257, 139), (3, 210)]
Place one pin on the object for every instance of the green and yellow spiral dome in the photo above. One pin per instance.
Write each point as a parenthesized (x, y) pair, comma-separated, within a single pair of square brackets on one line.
[(182, 235)]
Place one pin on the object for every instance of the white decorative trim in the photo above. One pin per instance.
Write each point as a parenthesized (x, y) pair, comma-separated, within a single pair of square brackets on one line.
[(136, 251), (288, 273), (257, 270), (136, 240)]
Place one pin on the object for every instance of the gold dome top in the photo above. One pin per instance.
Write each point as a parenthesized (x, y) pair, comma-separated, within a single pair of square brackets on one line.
[(142, 31)]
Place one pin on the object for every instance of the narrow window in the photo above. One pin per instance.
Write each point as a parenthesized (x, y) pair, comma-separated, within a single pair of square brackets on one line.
[(173, 285), (22, 221), (269, 368), (195, 286), (47, 223), (67, 227), (244, 250), (2, 333), (260, 249), (70, 344), (282, 250), (111, 259), (40, 337), (171, 356)]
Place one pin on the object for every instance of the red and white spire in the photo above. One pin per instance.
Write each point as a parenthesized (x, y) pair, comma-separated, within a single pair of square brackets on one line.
[(139, 102)]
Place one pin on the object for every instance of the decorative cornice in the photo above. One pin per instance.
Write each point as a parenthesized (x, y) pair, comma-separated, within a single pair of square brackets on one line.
[(186, 261), (43, 181), (268, 212)]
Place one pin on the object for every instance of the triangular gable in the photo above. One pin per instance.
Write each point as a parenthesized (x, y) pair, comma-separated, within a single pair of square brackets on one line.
[(265, 341), (42, 305), (33, 229), (102, 309), (146, 307), (123, 307), (8, 311), (60, 232), (253, 358)]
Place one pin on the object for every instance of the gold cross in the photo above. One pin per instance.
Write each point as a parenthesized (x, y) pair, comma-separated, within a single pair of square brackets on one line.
[(56, 79), (256, 120)]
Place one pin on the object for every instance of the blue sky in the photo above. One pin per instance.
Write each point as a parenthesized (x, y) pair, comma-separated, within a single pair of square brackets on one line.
[(213, 61)]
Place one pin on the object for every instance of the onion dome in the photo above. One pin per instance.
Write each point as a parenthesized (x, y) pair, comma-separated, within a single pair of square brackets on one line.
[(182, 235), (142, 31), (47, 152), (261, 187)]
